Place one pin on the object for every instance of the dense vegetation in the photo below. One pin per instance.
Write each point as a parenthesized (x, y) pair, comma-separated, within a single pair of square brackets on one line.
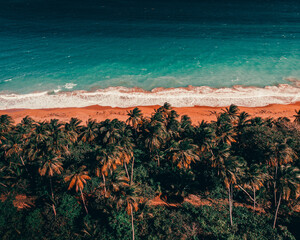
[(96, 181)]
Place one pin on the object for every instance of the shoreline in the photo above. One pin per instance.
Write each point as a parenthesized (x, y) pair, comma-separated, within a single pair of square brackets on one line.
[(247, 96), (101, 113)]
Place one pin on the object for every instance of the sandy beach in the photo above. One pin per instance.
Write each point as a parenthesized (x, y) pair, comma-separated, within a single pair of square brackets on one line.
[(100, 113)]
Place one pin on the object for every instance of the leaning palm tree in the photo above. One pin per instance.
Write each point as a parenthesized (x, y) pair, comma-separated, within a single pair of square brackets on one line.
[(288, 185), (229, 168), (128, 197), (253, 180), (78, 179), (49, 168)]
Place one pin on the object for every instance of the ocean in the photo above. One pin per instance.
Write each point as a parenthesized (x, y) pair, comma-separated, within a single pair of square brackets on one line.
[(60, 53)]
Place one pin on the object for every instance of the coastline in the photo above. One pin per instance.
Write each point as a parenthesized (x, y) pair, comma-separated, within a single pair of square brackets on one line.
[(178, 97), (100, 113)]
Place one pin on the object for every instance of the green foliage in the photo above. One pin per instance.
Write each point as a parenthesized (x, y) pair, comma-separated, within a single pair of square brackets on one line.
[(87, 181), (34, 222), (11, 221), (120, 225), (69, 208)]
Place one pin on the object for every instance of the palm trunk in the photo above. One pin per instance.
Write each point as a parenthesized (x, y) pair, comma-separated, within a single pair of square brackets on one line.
[(126, 170), (52, 194), (275, 218), (104, 183), (254, 198), (275, 178), (83, 201), (132, 225), (230, 204), (132, 165), (23, 163), (246, 192)]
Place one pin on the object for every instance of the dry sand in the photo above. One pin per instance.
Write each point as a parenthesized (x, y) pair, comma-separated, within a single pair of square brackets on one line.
[(100, 113)]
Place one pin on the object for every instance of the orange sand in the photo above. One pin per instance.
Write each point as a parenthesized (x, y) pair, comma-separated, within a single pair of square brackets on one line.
[(197, 113)]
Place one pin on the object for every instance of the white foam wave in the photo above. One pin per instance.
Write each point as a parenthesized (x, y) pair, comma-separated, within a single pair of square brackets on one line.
[(177, 97), (70, 85), (57, 90)]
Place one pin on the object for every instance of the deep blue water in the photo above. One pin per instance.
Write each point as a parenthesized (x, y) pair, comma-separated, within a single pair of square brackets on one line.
[(48, 45)]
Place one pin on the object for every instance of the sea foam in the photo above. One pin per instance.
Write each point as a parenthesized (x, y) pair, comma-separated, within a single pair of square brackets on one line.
[(177, 97)]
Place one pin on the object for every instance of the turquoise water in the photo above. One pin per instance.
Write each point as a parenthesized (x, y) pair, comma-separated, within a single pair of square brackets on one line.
[(87, 45)]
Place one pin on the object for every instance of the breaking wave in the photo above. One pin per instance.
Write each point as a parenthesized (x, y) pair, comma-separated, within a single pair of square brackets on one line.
[(177, 97)]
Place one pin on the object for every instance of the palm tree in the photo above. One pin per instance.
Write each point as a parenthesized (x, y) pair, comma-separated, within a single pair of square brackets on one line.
[(224, 129), (88, 133), (49, 168), (257, 121), (72, 129), (25, 127), (183, 153), (297, 117), (78, 179), (37, 146), (187, 129), (281, 153), (128, 197), (108, 159), (126, 146), (134, 117), (173, 126), (40, 132), (254, 179), (229, 168), (231, 171), (155, 135), (15, 146), (57, 142), (164, 112), (109, 131), (204, 137), (232, 112), (243, 121), (6, 123), (288, 184)]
